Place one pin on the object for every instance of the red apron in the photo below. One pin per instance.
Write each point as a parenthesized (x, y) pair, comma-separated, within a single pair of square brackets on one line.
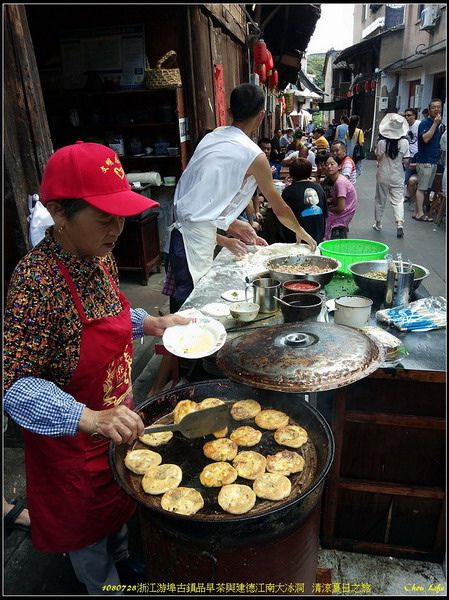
[(71, 493)]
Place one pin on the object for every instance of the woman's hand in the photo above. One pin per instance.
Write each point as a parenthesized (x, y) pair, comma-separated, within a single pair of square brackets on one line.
[(119, 424), (157, 325), (234, 245)]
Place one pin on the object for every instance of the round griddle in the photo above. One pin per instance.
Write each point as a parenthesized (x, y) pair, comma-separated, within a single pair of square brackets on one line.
[(300, 357)]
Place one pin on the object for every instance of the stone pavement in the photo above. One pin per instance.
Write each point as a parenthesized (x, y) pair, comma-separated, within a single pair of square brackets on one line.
[(31, 573)]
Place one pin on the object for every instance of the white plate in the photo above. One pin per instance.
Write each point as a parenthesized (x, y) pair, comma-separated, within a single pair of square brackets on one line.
[(235, 295), (201, 337)]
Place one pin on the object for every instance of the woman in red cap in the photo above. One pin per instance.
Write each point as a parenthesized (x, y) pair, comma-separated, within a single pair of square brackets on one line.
[(67, 364)]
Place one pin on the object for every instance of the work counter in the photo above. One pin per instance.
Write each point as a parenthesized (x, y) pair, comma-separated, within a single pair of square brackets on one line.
[(385, 493)]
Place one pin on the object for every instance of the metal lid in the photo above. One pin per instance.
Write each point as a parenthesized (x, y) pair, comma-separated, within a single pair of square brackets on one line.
[(300, 357)]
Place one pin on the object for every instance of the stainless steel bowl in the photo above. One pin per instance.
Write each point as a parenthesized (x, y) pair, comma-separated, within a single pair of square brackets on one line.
[(274, 267), (376, 287)]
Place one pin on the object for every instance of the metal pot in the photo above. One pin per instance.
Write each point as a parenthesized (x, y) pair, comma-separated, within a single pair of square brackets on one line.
[(375, 288), (213, 546), (275, 265)]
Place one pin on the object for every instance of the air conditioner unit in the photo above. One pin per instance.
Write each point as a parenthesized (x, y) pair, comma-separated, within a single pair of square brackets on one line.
[(429, 18)]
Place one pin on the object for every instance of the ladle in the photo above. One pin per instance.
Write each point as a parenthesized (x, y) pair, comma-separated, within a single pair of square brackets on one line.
[(283, 301)]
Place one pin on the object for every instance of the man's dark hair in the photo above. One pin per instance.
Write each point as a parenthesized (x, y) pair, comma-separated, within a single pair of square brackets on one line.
[(435, 100), (264, 141), (300, 168), (319, 130), (412, 110), (321, 158), (246, 101)]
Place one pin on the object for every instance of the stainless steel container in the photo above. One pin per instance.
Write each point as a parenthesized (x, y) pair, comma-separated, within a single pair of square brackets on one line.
[(264, 291), (399, 288)]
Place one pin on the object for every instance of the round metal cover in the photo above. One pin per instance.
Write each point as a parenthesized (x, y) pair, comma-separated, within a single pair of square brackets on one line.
[(300, 357)]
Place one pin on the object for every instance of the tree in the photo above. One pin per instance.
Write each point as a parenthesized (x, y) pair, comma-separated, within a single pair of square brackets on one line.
[(315, 66)]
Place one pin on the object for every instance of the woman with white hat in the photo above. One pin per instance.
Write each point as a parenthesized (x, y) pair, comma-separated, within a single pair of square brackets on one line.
[(391, 150)]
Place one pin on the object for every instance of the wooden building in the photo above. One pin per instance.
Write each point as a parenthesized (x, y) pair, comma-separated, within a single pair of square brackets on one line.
[(46, 105)]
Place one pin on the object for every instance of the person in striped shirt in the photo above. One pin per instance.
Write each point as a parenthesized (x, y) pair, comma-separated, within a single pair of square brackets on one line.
[(346, 164)]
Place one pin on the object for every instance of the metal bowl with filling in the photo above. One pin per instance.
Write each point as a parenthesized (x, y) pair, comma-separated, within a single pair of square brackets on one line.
[(371, 276), (317, 268)]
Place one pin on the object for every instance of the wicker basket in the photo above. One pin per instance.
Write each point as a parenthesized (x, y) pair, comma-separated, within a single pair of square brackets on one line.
[(159, 78)]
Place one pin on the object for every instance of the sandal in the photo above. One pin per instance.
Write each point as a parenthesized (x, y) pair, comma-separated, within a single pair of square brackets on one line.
[(10, 518), (424, 218)]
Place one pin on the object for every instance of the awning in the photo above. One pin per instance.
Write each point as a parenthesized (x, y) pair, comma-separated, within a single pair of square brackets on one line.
[(308, 84), (336, 105), (357, 49)]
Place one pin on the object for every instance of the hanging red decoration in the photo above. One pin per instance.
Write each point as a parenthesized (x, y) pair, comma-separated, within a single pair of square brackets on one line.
[(367, 86), (260, 69), (358, 87), (260, 52), (348, 94), (373, 84), (274, 78), (269, 64)]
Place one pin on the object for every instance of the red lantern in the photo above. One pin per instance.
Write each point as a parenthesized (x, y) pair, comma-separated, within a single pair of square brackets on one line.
[(260, 52), (373, 84), (261, 71), (269, 64), (358, 87), (274, 78), (366, 86), (348, 94)]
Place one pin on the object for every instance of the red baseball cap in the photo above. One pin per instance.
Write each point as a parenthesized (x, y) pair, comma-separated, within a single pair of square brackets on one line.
[(94, 173)]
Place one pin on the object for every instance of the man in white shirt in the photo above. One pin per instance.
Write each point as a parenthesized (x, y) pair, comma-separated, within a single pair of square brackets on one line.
[(410, 176), (216, 187)]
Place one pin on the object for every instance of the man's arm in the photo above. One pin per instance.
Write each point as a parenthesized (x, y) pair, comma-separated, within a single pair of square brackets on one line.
[(261, 171), (426, 137)]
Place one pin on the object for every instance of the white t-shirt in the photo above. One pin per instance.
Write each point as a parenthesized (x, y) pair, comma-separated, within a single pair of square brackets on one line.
[(213, 187), (412, 136)]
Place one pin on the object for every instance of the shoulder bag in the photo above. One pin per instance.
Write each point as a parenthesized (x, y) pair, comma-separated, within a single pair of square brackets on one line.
[(358, 153)]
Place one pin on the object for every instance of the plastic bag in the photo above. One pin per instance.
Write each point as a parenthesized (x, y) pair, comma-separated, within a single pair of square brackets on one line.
[(39, 219), (421, 315)]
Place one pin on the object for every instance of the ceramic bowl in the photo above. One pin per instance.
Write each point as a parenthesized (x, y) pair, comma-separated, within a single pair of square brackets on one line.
[(301, 286), (244, 311)]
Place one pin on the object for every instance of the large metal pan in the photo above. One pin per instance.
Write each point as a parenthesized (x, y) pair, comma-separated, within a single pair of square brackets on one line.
[(188, 454), (275, 267)]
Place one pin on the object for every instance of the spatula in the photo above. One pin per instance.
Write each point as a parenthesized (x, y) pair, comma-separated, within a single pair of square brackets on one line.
[(198, 423)]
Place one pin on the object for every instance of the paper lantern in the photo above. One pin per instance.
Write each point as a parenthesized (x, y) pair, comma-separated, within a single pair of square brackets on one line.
[(260, 69), (373, 84), (348, 94), (269, 64), (260, 52), (367, 86), (274, 78), (358, 87)]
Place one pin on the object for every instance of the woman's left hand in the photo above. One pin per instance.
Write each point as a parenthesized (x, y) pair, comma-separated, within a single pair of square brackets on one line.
[(157, 325)]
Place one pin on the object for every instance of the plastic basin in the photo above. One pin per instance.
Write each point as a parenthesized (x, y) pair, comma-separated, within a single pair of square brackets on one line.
[(349, 251)]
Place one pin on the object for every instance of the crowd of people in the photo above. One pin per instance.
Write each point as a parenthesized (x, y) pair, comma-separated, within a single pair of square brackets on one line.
[(69, 330)]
